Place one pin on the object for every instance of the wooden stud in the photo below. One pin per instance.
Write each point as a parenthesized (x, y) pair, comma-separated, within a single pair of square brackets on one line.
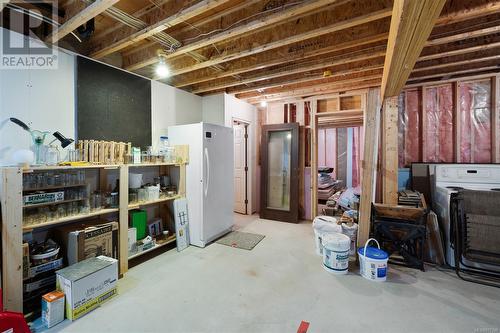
[(390, 151), (495, 113), (458, 122), (11, 184), (369, 163), (411, 25), (123, 218), (91, 11)]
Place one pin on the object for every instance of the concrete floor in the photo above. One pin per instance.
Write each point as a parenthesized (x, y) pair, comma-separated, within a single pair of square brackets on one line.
[(280, 283)]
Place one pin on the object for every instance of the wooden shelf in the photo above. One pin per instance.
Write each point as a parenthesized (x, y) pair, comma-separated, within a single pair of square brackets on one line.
[(69, 219), (52, 203), (48, 188), (169, 240), (147, 203), (153, 164), (69, 167)]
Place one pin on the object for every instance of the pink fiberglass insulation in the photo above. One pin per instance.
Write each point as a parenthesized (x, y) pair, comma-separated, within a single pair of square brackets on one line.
[(475, 122), (413, 148), (438, 137)]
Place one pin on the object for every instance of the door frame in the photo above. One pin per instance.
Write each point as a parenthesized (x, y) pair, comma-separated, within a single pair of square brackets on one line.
[(247, 167), (273, 214)]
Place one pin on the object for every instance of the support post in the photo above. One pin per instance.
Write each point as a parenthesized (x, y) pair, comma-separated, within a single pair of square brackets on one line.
[(390, 151)]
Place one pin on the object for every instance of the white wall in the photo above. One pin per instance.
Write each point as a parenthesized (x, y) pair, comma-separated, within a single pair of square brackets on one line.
[(172, 106), (213, 109), (236, 109), (222, 109), (42, 98), (45, 100)]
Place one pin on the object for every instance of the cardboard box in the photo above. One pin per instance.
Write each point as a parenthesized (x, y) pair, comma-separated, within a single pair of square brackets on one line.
[(52, 308), (82, 242), (87, 284), (48, 266), (33, 199)]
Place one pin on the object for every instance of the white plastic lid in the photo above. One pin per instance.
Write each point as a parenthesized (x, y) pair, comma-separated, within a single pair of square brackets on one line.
[(336, 240), (326, 224)]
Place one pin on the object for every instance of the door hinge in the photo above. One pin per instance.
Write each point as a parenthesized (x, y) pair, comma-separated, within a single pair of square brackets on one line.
[(246, 202), (246, 136), (246, 168)]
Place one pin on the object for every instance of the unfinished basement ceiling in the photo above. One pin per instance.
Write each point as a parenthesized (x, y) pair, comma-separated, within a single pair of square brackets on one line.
[(281, 49)]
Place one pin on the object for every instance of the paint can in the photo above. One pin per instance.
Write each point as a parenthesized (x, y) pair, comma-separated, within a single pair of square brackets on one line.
[(373, 262), (336, 253), (324, 225), (351, 231)]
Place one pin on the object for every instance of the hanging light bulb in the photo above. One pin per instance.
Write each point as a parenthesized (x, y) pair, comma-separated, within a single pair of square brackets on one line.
[(263, 104), (161, 68)]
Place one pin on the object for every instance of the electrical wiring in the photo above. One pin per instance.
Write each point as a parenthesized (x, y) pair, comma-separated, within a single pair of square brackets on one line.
[(38, 16), (243, 20)]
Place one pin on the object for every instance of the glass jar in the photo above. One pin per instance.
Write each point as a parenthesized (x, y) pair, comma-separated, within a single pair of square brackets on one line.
[(52, 155)]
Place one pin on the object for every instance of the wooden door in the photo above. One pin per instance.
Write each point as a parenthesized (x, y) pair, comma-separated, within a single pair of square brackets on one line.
[(280, 172), (240, 169)]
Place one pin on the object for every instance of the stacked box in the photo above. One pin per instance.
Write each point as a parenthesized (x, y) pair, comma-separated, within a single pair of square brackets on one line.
[(87, 284)]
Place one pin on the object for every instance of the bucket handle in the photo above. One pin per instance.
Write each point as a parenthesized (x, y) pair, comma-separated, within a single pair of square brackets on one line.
[(368, 242)]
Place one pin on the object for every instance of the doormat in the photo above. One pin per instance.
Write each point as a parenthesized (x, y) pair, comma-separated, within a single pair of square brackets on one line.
[(241, 240)]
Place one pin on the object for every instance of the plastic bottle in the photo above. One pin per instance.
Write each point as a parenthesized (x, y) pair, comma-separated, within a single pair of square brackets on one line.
[(164, 148)]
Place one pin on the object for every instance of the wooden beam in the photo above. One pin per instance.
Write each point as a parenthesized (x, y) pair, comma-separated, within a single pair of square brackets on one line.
[(290, 57), (355, 84), (80, 18), (295, 69), (180, 17), (412, 80), (495, 112), (11, 183), (369, 163), (469, 13), (411, 25), (284, 83), (390, 151), (470, 49), (273, 45), (462, 36), (455, 63)]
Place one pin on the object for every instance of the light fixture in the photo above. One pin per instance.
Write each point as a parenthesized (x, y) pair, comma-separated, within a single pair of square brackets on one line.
[(263, 104), (161, 68)]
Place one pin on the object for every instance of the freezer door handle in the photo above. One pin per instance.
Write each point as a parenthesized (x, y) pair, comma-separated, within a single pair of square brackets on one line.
[(207, 182)]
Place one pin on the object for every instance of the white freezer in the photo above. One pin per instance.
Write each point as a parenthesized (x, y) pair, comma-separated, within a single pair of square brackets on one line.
[(209, 179)]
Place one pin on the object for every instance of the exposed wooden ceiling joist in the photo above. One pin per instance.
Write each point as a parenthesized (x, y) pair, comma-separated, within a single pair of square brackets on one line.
[(287, 41), (170, 21), (339, 74), (435, 76), (91, 11), (411, 25), (261, 63), (482, 47), (313, 91), (252, 26), (455, 63), (296, 69)]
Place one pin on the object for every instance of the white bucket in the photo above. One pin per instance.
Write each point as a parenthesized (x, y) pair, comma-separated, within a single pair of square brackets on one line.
[(373, 262), (336, 253), (351, 231), (324, 225)]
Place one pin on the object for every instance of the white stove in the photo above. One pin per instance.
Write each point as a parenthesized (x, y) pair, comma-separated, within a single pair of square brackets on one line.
[(448, 179)]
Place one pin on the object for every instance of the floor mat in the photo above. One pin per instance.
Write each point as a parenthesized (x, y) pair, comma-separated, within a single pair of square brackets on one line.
[(241, 240)]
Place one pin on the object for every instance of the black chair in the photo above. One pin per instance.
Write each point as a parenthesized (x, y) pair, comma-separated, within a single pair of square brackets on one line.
[(401, 230), (475, 231)]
